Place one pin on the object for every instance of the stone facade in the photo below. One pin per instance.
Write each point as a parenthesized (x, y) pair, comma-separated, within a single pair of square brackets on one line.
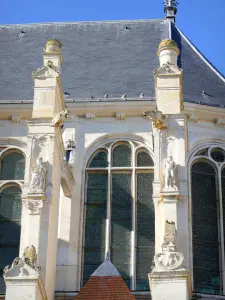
[(53, 187)]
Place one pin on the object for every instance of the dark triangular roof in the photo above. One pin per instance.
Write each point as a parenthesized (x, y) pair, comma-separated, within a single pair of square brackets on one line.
[(105, 283), (110, 57)]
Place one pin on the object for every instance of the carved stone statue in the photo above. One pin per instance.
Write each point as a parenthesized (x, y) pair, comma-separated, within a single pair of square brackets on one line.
[(169, 258), (70, 151), (159, 120), (169, 167), (38, 177), (29, 257)]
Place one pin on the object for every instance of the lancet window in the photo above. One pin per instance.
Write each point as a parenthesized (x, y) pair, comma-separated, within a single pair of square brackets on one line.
[(208, 221), (119, 214), (12, 166)]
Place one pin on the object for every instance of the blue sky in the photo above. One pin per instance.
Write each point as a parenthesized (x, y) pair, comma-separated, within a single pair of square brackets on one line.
[(202, 21)]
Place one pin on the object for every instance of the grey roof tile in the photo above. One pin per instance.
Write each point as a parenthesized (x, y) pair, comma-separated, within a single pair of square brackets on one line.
[(98, 57), (109, 57)]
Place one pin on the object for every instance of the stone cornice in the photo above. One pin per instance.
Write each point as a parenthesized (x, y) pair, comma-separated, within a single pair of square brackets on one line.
[(109, 109)]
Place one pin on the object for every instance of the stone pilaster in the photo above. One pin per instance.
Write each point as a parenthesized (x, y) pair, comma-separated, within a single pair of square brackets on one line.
[(44, 165)]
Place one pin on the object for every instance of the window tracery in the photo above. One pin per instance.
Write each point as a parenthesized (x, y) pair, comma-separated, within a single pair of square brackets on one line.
[(12, 167), (120, 217), (208, 220)]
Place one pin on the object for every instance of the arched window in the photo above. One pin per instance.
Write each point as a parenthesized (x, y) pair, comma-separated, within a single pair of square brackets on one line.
[(208, 216), (120, 218), (12, 165), (10, 215)]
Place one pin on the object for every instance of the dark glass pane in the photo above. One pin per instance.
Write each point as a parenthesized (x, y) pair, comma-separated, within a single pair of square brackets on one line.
[(94, 248), (218, 155), (145, 229), (97, 188), (121, 224), (203, 152), (206, 266), (10, 215), (223, 200), (100, 160), (10, 204), (122, 156), (144, 159), (13, 167)]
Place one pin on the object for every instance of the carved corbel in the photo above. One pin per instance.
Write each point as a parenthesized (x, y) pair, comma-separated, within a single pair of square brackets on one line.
[(16, 118), (158, 119), (90, 116), (34, 205), (220, 123), (120, 116), (193, 118)]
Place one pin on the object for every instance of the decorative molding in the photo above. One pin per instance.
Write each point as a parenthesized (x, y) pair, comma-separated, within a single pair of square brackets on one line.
[(90, 116), (16, 118), (193, 118), (158, 119), (120, 116), (59, 118), (220, 123), (169, 258), (34, 206), (67, 181)]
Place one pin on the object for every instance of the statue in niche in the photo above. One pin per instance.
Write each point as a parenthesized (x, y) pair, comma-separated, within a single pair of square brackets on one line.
[(38, 177), (70, 151), (169, 167)]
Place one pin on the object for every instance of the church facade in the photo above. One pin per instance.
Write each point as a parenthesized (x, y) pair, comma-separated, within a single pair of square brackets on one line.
[(112, 147)]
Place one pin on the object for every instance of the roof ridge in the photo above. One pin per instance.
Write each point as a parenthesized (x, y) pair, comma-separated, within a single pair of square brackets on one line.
[(202, 56), (84, 22)]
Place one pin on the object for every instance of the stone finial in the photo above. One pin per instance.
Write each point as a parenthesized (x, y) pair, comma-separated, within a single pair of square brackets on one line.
[(52, 54), (168, 52), (53, 46)]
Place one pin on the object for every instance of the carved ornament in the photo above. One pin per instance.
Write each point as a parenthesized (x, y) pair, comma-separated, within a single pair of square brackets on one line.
[(158, 119), (169, 258), (59, 118)]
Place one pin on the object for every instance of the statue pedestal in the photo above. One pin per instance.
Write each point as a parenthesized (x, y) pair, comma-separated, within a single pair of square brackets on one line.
[(170, 285), (169, 199), (24, 282)]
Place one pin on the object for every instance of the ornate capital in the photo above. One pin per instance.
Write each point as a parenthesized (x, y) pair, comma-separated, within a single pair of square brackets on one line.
[(34, 206)]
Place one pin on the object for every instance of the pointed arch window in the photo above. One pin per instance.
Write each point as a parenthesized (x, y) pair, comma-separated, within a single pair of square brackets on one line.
[(12, 165), (208, 220), (120, 212)]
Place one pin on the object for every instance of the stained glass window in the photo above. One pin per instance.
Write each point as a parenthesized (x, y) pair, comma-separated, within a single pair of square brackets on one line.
[(120, 213), (205, 207), (100, 160), (122, 156), (144, 159), (10, 216), (12, 166)]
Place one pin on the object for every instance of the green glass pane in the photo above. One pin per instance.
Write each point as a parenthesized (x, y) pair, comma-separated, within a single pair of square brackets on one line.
[(144, 159), (145, 229), (97, 184), (13, 167), (10, 204), (122, 156), (100, 160), (206, 259), (121, 224), (95, 224)]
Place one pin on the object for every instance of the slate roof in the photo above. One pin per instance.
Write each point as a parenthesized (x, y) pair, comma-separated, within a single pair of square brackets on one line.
[(113, 57)]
